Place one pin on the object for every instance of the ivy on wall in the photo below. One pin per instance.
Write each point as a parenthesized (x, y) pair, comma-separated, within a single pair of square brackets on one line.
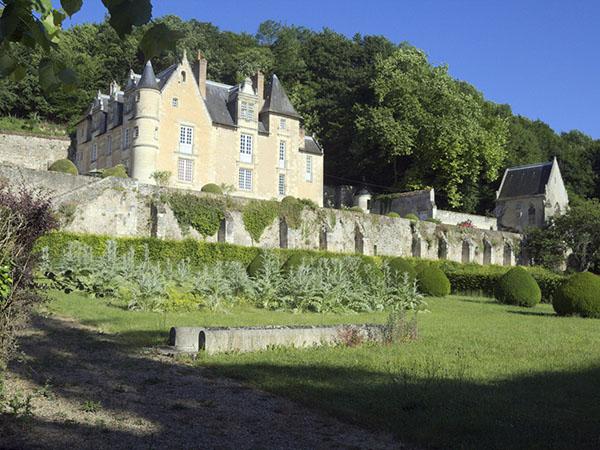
[(258, 215), (203, 214)]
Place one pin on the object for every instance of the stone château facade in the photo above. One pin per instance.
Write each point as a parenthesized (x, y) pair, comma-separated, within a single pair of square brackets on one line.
[(247, 136)]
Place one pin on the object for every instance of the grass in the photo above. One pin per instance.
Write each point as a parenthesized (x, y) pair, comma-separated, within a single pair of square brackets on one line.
[(32, 125), (483, 375)]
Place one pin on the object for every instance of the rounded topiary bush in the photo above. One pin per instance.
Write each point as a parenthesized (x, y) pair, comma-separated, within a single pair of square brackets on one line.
[(64, 166), (517, 287), (411, 217), (398, 266), (295, 261), (393, 214), (255, 265), (356, 209), (421, 265), (119, 171), (433, 282), (212, 188), (289, 199), (580, 294)]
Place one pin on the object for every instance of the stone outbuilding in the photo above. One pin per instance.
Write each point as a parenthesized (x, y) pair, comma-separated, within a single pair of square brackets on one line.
[(530, 195)]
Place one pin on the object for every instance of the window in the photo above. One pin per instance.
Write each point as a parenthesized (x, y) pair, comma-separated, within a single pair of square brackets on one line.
[(155, 132), (282, 124), (175, 102), (94, 156), (308, 168), (185, 170), (126, 139), (109, 146), (186, 138), (245, 180), (137, 96), (136, 132), (247, 111), (281, 184), (282, 154), (246, 148)]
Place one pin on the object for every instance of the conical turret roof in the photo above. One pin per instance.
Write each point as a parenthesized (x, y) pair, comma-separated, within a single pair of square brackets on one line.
[(277, 101), (148, 79)]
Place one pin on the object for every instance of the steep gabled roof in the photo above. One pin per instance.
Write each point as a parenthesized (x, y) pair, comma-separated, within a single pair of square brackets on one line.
[(277, 101), (311, 146), (525, 181), (148, 79), (164, 76), (217, 99)]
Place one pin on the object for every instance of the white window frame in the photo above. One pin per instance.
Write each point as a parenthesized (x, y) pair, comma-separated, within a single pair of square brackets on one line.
[(281, 184), (136, 132), (245, 179), (186, 139), (185, 170), (94, 153), (126, 138), (247, 111), (246, 148), (109, 145), (309, 168), (282, 154)]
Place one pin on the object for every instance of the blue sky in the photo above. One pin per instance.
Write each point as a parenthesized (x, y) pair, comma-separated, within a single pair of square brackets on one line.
[(540, 57)]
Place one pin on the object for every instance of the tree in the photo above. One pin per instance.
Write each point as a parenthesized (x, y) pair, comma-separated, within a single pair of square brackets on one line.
[(433, 127), (38, 24)]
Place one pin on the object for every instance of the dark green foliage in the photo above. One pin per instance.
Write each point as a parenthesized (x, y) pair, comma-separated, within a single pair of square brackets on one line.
[(432, 220), (289, 199), (393, 214), (64, 166), (119, 171), (204, 214), (398, 266), (421, 265), (411, 217), (356, 209), (580, 295), (258, 215), (517, 287), (256, 265), (212, 188), (290, 210), (432, 281), (295, 260)]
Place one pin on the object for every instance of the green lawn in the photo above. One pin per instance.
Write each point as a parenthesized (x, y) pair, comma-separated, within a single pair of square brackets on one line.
[(482, 375)]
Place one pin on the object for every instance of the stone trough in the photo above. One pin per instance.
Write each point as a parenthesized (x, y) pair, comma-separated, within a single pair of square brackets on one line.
[(246, 339)]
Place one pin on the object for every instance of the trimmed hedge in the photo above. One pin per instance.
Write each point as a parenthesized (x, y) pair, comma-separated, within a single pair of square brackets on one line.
[(432, 281), (411, 217), (517, 287), (356, 209), (580, 294), (119, 171), (393, 214), (400, 265), (212, 188), (64, 166)]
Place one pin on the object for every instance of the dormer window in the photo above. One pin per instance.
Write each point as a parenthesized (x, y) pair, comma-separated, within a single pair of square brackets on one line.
[(175, 102), (247, 112)]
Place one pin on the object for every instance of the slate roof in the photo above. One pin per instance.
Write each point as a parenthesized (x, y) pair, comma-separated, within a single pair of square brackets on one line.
[(525, 181), (277, 101), (148, 79), (311, 146), (217, 99)]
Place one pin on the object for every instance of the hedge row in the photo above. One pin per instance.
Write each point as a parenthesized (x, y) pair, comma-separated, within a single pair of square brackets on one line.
[(199, 253)]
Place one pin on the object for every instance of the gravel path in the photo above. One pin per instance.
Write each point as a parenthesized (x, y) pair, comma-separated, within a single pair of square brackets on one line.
[(101, 394)]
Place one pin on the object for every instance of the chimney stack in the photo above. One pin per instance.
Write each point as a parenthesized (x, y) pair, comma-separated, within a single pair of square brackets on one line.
[(258, 83), (200, 72)]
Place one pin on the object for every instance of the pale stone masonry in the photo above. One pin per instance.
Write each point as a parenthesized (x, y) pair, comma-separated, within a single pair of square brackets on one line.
[(32, 151), (248, 137)]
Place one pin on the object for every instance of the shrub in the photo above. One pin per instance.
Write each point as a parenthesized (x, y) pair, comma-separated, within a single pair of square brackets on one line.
[(258, 215), (432, 281), (580, 294), (421, 265), (256, 265), (64, 166), (290, 209), (393, 214), (212, 188), (201, 213), (411, 217), (289, 199), (398, 266), (119, 171), (517, 287), (294, 261), (161, 177), (356, 209)]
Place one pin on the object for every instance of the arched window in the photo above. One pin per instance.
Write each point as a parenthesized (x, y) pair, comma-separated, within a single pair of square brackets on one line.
[(466, 252)]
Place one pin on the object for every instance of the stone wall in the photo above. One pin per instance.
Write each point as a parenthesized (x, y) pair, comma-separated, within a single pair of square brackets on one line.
[(32, 151), (124, 207), (453, 218)]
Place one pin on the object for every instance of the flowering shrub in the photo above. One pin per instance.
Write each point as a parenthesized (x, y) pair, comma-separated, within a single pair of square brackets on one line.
[(466, 224)]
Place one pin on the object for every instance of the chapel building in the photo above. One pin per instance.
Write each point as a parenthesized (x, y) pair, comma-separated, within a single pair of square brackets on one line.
[(247, 137)]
